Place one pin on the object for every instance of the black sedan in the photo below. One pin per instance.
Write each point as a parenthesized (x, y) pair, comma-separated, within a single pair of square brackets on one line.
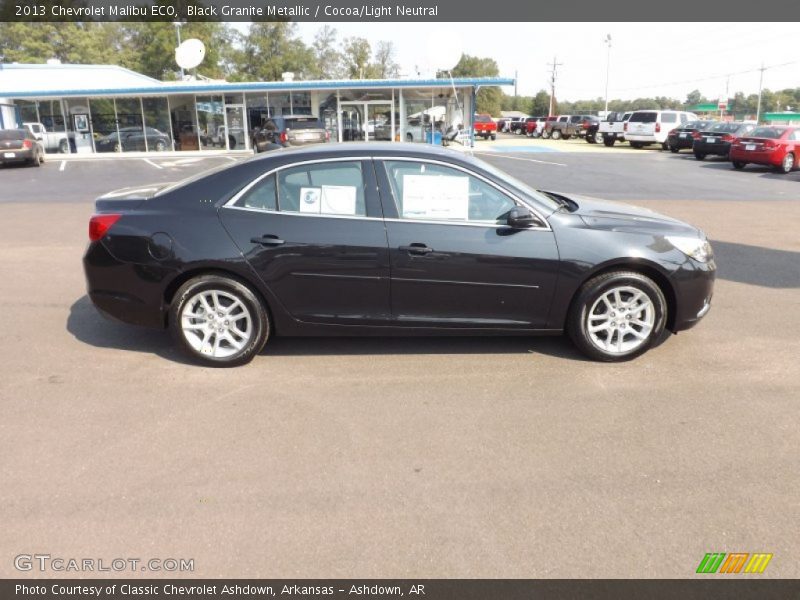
[(684, 136), (133, 139), (20, 146), (382, 239), (716, 140)]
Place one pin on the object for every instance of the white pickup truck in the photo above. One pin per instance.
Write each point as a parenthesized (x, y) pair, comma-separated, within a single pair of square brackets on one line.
[(612, 128), (51, 140)]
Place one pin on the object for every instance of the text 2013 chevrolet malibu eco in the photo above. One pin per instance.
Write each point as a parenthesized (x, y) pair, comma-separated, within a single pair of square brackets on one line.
[(389, 239)]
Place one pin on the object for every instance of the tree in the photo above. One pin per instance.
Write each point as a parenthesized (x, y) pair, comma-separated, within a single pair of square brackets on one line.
[(328, 59), (694, 98), (489, 98), (357, 52), (384, 66), (273, 48), (541, 103), (78, 43)]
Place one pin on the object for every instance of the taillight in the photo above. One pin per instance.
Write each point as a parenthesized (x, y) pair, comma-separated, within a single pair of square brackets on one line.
[(658, 127), (27, 144), (284, 137), (100, 224), (727, 137), (696, 135), (625, 127)]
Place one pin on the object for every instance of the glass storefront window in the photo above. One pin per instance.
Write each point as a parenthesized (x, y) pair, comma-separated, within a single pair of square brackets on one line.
[(104, 125), (184, 122), (279, 104), (327, 114), (51, 115), (28, 112), (211, 122), (157, 124), (131, 128), (301, 103)]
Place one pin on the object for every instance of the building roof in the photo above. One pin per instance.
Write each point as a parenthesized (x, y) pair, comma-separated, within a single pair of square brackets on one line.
[(64, 80)]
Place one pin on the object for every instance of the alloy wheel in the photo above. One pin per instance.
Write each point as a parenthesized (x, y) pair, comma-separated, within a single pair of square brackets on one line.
[(621, 320), (216, 323)]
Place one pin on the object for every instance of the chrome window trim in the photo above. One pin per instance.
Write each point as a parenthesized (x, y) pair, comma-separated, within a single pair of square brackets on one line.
[(517, 200)]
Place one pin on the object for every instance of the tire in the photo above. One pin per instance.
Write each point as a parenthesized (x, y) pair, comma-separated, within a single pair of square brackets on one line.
[(674, 149), (598, 138), (555, 134), (494, 136), (160, 146), (699, 155), (409, 137), (194, 327), (739, 165), (545, 135), (566, 136), (518, 131), (787, 164), (665, 146), (63, 146), (630, 332), (609, 141), (637, 145)]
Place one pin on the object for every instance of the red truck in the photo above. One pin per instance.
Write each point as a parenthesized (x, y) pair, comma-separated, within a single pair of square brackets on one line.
[(485, 127)]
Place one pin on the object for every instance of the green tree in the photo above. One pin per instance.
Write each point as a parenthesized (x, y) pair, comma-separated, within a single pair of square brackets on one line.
[(540, 105), (270, 49), (328, 59), (357, 52), (694, 98), (384, 65), (77, 43), (489, 98)]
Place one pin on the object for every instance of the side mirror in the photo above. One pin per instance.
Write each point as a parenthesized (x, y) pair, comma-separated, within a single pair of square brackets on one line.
[(520, 217)]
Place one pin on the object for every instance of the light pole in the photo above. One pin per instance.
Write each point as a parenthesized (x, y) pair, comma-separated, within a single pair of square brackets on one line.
[(178, 32), (607, 41)]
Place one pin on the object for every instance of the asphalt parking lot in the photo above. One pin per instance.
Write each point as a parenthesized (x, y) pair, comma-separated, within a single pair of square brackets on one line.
[(467, 457)]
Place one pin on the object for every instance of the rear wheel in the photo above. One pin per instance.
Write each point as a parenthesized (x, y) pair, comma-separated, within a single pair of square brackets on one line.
[(161, 146), (738, 164), (787, 164), (699, 155), (555, 134), (674, 149), (617, 316), (494, 136), (218, 321), (63, 146), (545, 135), (637, 145), (609, 141), (666, 146)]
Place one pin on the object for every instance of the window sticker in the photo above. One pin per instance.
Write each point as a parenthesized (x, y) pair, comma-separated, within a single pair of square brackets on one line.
[(339, 199), (310, 199), (435, 197)]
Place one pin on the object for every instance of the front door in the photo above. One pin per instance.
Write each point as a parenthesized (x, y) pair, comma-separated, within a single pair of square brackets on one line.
[(315, 236), (367, 121), (454, 261)]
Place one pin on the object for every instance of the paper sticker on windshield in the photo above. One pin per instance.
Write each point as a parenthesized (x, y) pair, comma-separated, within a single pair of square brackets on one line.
[(435, 197), (310, 199), (339, 199)]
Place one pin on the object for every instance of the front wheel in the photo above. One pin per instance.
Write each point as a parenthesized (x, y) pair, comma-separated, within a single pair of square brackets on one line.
[(739, 165), (617, 316), (699, 155), (555, 134), (218, 321), (545, 135), (674, 149)]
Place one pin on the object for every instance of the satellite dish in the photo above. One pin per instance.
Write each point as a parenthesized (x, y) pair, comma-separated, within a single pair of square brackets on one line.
[(190, 53), (444, 50)]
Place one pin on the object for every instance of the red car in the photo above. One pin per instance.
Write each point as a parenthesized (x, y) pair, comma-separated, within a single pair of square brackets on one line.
[(772, 145), (485, 127)]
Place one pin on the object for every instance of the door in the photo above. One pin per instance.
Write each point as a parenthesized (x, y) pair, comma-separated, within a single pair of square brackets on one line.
[(454, 261), (235, 128), (315, 236), (367, 121)]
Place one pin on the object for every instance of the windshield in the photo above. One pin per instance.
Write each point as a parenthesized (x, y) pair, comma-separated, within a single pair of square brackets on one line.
[(515, 184), (725, 127), (12, 134), (482, 118)]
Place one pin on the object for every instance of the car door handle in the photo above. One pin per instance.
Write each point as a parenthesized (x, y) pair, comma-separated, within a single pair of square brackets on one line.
[(416, 248), (268, 240)]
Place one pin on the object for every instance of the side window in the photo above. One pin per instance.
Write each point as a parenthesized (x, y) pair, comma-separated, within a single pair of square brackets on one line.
[(333, 188), (684, 118), (669, 117), (262, 195), (434, 192)]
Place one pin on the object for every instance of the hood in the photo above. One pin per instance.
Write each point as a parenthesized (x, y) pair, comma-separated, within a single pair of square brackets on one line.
[(617, 216)]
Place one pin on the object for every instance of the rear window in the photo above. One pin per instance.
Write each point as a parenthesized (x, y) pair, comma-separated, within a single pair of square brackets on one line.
[(643, 117), (12, 134), (725, 127), (669, 117), (696, 124), (767, 132), (484, 118), (304, 123)]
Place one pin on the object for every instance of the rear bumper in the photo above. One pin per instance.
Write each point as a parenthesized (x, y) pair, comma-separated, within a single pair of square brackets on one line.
[(681, 143), (718, 149), (753, 156), (21, 155)]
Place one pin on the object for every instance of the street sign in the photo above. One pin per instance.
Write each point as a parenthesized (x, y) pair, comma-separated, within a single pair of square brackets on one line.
[(722, 104)]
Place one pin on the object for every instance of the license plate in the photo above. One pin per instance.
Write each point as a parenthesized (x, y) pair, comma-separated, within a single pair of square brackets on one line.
[(9, 155), (684, 134), (711, 140), (750, 147)]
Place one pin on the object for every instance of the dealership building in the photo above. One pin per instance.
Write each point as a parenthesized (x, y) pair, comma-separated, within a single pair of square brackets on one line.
[(104, 108)]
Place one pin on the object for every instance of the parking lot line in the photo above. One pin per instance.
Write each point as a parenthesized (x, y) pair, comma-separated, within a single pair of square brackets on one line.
[(543, 162), (150, 162), (63, 165)]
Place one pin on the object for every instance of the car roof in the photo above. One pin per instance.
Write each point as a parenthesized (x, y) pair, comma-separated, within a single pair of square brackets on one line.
[(364, 149)]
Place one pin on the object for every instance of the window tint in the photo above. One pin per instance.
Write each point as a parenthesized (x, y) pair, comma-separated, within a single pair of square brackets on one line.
[(435, 192), (643, 117), (767, 132), (670, 117), (335, 188), (304, 123), (13, 134), (483, 118), (262, 195)]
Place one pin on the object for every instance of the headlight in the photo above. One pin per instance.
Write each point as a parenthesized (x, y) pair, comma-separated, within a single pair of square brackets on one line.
[(696, 248)]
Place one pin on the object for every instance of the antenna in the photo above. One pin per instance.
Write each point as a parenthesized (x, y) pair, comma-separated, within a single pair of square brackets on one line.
[(555, 66)]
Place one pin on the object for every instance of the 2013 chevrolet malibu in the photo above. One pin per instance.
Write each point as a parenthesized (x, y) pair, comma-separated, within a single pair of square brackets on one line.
[(389, 239)]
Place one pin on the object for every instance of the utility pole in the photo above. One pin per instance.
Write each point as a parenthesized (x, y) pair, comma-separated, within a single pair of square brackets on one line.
[(608, 68), (554, 66), (760, 84)]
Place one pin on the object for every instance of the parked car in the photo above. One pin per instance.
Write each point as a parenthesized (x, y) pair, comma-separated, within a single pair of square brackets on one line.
[(310, 241), (573, 125), (20, 146), (133, 139), (519, 126), (609, 130), (774, 145), (549, 122), (234, 135), (717, 138), (684, 136), (289, 130), (485, 127), (646, 127), (534, 128), (52, 141)]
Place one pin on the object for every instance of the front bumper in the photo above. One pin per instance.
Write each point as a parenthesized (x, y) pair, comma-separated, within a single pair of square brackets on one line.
[(694, 287)]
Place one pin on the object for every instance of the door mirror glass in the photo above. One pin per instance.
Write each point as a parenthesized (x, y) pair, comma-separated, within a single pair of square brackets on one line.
[(520, 217)]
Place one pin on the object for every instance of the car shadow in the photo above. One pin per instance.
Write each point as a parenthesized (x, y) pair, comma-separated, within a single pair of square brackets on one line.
[(756, 265), (90, 327), (761, 170)]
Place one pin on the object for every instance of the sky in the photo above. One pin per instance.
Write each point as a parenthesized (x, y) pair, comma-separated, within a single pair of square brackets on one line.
[(646, 59)]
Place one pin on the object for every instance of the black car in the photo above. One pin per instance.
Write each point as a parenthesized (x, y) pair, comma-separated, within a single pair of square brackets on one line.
[(133, 139), (383, 239), (20, 146), (717, 139), (683, 137), (289, 130)]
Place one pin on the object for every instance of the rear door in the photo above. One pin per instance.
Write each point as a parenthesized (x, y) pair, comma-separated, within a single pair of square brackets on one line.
[(454, 261), (314, 233)]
